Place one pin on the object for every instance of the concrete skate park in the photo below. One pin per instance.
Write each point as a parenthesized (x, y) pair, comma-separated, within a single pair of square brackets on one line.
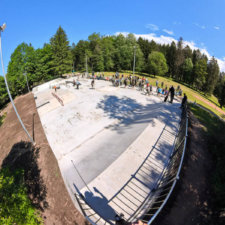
[(112, 143)]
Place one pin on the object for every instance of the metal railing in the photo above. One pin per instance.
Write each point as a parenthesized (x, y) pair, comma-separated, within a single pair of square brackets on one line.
[(163, 189), (166, 185), (90, 214)]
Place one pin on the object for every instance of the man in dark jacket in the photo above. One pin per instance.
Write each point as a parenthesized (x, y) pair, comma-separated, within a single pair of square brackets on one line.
[(171, 94), (184, 101)]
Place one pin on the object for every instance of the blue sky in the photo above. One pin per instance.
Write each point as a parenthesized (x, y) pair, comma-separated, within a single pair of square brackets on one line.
[(201, 22)]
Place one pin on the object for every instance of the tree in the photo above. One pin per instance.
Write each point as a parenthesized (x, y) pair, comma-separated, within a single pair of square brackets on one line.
[(109, 51), (44, 68), (62, 58), (187, 52), (3, 93), (79, 53), (171, 59), (201, 72), (221, 96), (196, 56), (21, 61), (212, 76), (157, 63), (96, 59), (187, 69), (179, 59)]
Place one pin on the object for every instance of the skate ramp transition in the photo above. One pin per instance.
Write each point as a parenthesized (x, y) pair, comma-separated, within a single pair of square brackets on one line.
[(139, 198)]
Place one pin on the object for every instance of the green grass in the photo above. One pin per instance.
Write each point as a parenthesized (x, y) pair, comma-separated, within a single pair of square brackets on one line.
[(191, 94), (2, 118), (214, 130), (210, 122)]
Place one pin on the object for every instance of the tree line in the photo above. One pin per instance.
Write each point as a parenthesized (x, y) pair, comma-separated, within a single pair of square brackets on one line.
[(111, 53)]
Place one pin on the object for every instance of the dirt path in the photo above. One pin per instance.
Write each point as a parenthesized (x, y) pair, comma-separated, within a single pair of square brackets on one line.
[(210, 104), (61, 210), (190, 201)]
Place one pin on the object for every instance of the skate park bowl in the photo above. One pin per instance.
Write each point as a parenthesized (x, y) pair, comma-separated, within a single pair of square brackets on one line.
[(119, 150)]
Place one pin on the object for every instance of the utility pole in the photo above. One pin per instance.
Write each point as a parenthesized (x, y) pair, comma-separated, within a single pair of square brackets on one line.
[(134, 60), (2, 28), (25, 74), (86, 66)]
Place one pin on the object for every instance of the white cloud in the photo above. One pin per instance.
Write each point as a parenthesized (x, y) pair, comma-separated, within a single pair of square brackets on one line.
[(170, 32), (168, 40), (125, 34), (216, 27), (200, 26), (221, 63), (152, 27)]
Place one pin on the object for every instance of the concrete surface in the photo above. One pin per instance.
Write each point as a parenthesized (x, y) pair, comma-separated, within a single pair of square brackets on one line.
[(110, 142)]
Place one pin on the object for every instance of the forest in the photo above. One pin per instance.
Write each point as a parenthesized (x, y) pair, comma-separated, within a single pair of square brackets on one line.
[(111, 53)]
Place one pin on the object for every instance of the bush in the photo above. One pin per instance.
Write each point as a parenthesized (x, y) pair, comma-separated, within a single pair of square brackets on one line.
[(15, 206)]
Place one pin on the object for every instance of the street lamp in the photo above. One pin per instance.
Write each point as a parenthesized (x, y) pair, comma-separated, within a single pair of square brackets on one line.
[(86, 67), (25, 74), (134, 59), (2, 28)]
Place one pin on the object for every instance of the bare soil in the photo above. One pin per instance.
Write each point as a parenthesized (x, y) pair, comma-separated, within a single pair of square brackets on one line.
[(57, 206)]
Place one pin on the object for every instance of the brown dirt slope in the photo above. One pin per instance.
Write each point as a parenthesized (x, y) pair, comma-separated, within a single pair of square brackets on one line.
[(60, 208), (190, 203)]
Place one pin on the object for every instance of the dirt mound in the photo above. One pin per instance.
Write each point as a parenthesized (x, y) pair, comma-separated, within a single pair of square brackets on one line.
[(54, 201)]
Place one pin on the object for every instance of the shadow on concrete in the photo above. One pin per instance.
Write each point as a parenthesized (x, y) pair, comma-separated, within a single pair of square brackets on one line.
[(145, 179), (100, 204), (128, 111), (24, 155)]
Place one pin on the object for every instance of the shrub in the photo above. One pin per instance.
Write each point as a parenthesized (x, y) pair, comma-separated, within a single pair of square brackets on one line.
[(15, 206)]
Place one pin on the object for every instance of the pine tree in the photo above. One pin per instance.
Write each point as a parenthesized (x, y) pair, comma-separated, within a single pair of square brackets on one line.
[(179, 60), (187, 69), (221, 97), (62, 57), (171, 58), (212, 76), (201, 73)]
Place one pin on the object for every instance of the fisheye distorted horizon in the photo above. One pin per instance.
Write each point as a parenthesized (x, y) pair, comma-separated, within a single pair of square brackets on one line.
[(200, 23)]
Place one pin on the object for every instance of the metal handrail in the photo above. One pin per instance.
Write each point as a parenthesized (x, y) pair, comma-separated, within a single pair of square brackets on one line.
[(174, 183)]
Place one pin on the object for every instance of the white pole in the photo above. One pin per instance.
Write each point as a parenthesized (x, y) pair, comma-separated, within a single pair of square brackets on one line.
[(7, 87), (134, 60), (86, 66), (25, 74)]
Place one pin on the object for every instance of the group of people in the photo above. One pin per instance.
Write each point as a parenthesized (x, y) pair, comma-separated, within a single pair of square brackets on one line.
[(141, 82)]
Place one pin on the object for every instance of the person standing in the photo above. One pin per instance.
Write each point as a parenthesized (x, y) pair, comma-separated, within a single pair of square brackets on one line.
[(172, 91), (184, 101), (93, 83)]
